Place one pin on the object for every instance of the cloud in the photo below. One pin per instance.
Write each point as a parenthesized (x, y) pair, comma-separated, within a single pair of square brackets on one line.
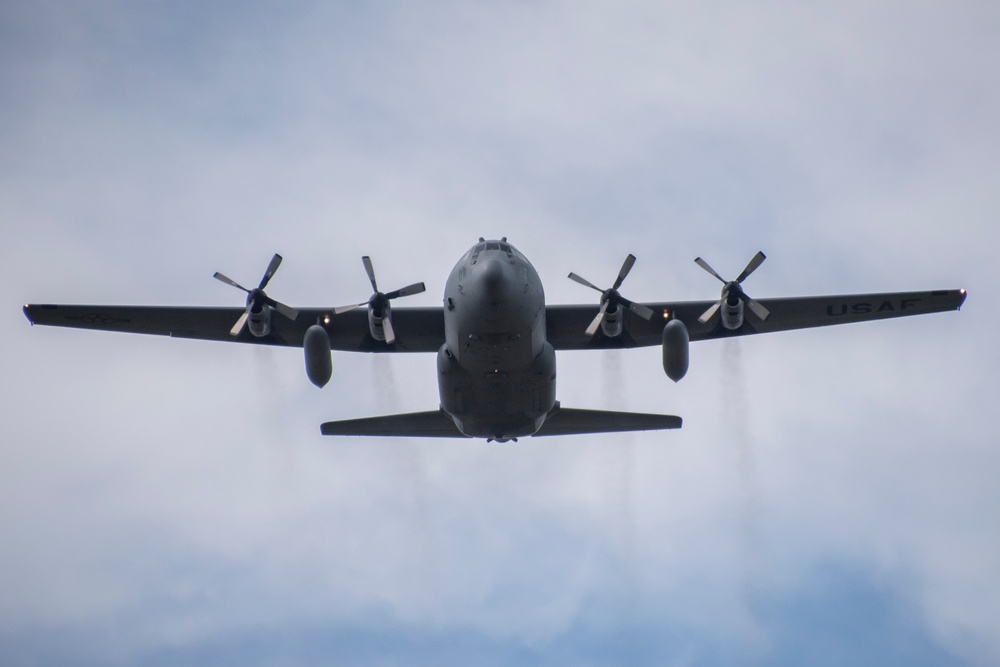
[(169, 499)]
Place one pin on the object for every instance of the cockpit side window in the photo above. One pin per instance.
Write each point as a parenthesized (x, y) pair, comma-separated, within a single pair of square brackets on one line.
[(476, 250)]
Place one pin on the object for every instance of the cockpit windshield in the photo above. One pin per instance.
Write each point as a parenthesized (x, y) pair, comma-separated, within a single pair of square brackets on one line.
[(500, 246)]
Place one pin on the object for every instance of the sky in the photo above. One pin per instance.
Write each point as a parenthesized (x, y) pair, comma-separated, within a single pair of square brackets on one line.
[(832, 497)]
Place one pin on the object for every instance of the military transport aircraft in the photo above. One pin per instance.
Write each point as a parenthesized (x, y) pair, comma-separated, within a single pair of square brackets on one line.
[(495, 337)]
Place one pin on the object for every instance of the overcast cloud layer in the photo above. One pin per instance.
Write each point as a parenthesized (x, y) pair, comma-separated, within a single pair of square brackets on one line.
[(831, 499)]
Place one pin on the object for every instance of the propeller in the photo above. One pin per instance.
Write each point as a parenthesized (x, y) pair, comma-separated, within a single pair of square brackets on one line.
[(735, 288), (378, 303), (257, 296), (611, 298)]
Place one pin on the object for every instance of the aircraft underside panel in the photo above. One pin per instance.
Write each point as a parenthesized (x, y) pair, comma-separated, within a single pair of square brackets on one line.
[(497, 404)]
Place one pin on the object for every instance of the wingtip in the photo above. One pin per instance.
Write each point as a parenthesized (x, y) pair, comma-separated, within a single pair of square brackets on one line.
[(27, 313)]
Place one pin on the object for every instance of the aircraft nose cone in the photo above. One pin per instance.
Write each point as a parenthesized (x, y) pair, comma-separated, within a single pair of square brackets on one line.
[(491, 274)]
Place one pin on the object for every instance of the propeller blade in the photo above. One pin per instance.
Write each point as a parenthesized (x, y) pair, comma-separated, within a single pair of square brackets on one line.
[(370, 270), (287, 311), (238, 327), (390, 335), (346, 309), (626, 267), (708, 314), (592, 329), (703, 264), (751, 266), (610, 298), (409, 290), (758, 309), (271, 268), (735, 288), (378, 303), (230, 281), (258, 296), (639, 309), (584, 282)]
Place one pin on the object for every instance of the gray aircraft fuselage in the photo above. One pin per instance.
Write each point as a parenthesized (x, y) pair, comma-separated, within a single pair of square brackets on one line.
[(496, 370)]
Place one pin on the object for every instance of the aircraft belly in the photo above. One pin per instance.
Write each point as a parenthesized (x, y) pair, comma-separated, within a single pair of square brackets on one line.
[(507, 405), (489, 400), (496, 370)]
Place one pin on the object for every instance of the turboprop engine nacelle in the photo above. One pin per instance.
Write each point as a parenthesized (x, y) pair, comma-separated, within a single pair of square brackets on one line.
[(675, 350), (319, 363), (259, 320), (732, 311), (613, 322), (376, 321)]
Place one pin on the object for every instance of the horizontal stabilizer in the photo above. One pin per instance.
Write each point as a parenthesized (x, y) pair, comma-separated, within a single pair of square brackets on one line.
[(560, 421), (570, 421), (430, 424)]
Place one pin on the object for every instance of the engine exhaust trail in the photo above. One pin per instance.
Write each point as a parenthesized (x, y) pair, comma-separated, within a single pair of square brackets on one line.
[(409, 460), (387, 395), (621, 485), (273, 411), (735, 407), (426, 574)]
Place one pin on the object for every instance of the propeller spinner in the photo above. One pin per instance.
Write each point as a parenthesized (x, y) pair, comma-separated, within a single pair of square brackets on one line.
[(611, 298), (257, 299), (734, 289), (378, 304)]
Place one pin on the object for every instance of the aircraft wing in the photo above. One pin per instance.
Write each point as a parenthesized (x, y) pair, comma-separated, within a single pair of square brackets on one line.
[(422, 329), (567, 325), (417, 329)]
